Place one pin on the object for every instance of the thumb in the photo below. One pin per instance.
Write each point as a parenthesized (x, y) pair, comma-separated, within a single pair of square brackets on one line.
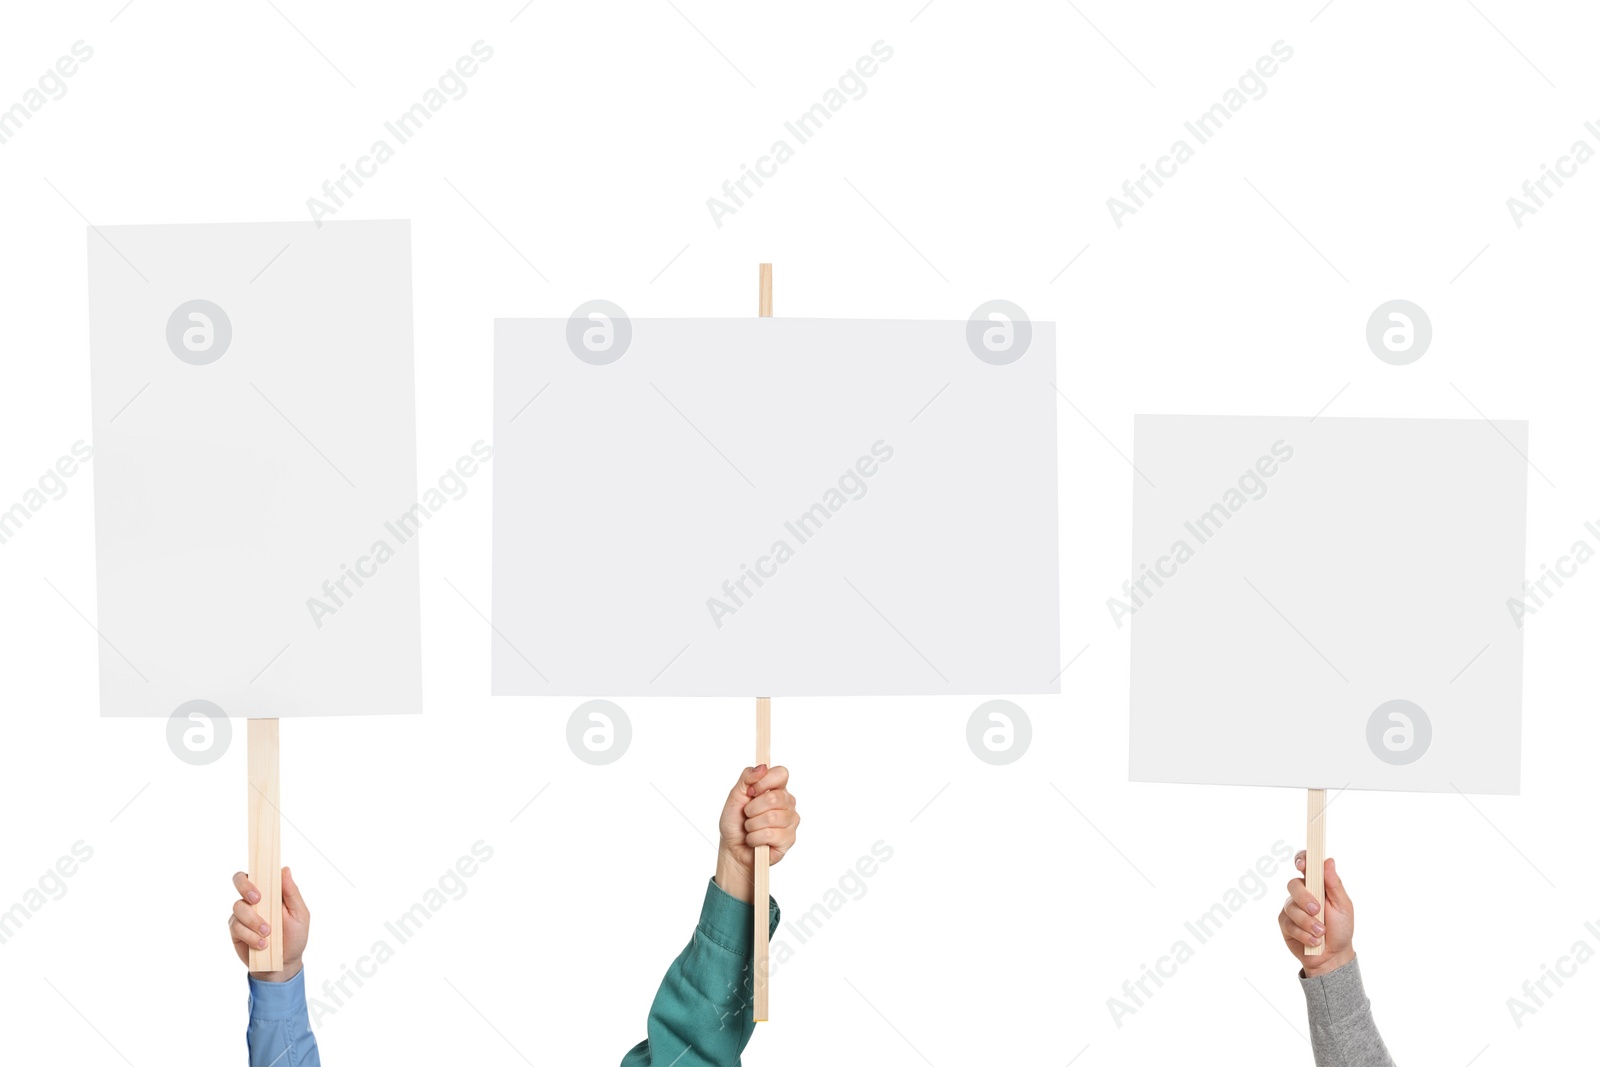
[(292, 900), (1334, 886)]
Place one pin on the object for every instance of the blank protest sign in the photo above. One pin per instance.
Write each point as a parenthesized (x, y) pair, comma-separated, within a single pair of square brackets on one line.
[(255, 468), (894, 494), (1333, 602)]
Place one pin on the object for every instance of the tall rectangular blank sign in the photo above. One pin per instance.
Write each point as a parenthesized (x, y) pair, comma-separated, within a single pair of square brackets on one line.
[(256, 504), (772, 507), (1323, 603)]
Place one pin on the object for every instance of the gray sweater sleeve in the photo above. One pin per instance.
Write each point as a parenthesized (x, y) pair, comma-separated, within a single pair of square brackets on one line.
[(1342, 1031)]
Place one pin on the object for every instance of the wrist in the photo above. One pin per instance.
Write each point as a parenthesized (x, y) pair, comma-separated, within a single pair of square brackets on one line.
[(1328, 962), (288, 972), (734, 878)]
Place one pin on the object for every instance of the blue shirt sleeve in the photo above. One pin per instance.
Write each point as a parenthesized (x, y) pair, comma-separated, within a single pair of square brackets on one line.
[(280, 1027)]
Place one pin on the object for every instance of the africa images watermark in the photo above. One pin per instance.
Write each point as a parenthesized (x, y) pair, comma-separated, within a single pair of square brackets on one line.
[(1536, 992), (51, 885), (51, 85), (451, 885), (451, 85), (1202, 528), (52, 485), (1252, 885), (806, 126), (1537, 190), (802, 528), (850, 886), (337, 591), (1202, 128), (1536, 591)]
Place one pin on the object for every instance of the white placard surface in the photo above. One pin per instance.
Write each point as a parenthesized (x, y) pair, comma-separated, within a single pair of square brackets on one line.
[(773, 507), (1326, 603), (256, 498)]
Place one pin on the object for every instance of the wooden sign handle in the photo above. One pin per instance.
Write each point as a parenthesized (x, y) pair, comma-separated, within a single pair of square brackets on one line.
[(763, 880), (1316, 852), (763, 871), (266, 861)]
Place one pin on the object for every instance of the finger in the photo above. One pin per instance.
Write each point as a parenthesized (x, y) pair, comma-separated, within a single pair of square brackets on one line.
[(293, 902), (1295, 933), (774, 778), (1300, 861), (245, 936), (247, 891), (1297, 915), (775, 817), (1334, 885), (1305, 937), (776, 836), (1299, 894), (246, 916), (778, 798)]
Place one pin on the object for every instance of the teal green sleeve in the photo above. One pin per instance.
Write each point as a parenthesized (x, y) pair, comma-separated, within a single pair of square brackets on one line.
[(701, 1014)]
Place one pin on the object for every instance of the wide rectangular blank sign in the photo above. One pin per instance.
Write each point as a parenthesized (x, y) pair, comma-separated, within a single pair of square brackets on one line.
[(1323, 603), (256, 503), (772, 507)]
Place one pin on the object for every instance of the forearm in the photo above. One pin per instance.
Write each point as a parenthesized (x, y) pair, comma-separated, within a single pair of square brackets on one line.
[(280, 1027), (701, 1015), (1343, 1033)]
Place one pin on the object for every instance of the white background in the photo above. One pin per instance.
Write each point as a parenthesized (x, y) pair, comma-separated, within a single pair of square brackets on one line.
[(1008, 915)]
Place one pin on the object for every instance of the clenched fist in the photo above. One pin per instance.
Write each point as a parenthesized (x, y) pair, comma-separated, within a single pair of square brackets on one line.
[(760, 811)]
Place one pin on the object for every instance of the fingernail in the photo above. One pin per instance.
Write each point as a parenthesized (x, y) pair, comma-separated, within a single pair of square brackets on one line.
[(1318, 929), (252, 896), (261, 944), (1313, 907)]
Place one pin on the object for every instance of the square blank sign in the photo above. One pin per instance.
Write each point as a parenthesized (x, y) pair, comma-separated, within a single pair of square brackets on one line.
[(1323, 603), (256, 504), (773, 507)]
